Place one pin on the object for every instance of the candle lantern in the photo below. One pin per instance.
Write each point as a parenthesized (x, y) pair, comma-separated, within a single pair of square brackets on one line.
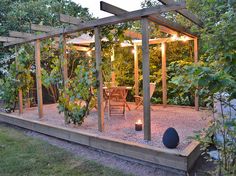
[(138, 125)]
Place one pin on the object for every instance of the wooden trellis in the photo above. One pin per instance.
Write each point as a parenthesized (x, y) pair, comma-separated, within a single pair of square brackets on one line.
[(145, 15)]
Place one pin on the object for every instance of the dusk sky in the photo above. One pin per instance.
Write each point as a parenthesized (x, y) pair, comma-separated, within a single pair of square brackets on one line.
[(94, 5)]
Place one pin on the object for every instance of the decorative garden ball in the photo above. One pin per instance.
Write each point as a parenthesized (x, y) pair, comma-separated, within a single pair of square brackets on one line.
[(170, 138)]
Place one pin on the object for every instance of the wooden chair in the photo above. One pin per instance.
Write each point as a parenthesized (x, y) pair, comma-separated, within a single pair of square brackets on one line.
[(117, 101), (140, 98)]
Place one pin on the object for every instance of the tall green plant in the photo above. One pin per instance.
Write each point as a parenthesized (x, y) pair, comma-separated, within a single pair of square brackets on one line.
[(78, 98), (17, 76)]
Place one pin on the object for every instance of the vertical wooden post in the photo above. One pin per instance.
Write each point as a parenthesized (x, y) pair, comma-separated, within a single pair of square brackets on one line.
[(38, 78), (64, 70), (196, 100), (64, 63), (113, 76), (99, 79), (164, 84), (20, 94), (136, 83), (146, 79)]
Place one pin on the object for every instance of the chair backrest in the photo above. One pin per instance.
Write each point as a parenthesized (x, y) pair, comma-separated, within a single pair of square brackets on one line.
[(152, 89), (117, 94)]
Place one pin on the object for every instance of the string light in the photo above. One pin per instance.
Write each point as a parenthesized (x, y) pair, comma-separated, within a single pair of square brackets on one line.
[(174, 37), (133, 51), (89, 53)]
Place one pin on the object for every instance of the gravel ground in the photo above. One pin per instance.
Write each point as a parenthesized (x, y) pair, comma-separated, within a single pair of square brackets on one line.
[(184, 119)]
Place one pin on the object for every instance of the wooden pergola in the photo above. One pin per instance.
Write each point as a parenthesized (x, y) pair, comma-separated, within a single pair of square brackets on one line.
[(144, 15)]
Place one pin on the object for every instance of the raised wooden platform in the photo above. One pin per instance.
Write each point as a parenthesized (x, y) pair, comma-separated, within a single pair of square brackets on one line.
[(183, 160)]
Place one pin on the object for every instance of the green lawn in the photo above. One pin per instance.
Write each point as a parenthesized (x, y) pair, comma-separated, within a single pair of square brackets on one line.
[(24, 155)]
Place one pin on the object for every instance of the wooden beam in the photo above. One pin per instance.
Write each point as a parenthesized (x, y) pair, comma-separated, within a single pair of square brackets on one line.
[(136, 79), (64, 64), (70, 19), (153, 41), (42, 28), (20, 94), (99, 79), (196, 99), (167, 30), (128, 16), (163, 65), (38, 78), (48, 29), (155, 18), (184, 12), (10, 39), (20, 34), (146, 79), (113, 75), (132, 34)]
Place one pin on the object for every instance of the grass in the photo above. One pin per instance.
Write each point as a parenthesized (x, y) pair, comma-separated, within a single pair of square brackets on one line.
[(24, 155)]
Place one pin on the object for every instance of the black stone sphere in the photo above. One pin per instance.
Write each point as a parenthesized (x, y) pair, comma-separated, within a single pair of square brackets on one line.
[(170, 138)]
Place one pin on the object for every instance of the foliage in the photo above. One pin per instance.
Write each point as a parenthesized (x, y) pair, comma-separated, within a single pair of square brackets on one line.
[(80, 92), (221, 136), (215, 74), (184, 93), (17, 16), (17, 76), (50, 63)]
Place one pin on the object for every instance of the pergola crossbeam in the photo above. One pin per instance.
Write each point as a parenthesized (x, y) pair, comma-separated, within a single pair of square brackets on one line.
[(69, 19), (42, 28), (155, 18), (20, 34), (128, 16), (47, 29), (185, 13), (10, 39)]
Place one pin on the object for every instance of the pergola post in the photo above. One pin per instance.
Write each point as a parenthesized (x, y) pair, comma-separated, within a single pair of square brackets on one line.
[(146, 79), (113, 76), (196, 99), (38, 78), (64, 64), (136, 83), (20, 94), (99, 79), (163, 66)]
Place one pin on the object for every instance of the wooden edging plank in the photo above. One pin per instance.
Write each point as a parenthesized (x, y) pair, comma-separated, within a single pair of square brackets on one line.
[(165, 157)]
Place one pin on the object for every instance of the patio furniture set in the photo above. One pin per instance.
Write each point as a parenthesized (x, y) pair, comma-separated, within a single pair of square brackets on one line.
[(115, 99)]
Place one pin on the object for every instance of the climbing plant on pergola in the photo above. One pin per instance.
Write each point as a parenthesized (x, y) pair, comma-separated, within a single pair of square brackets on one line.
[(144, 15)]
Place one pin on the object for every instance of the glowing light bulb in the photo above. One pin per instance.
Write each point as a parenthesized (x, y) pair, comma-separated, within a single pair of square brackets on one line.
[(174, 37), (89, 53)]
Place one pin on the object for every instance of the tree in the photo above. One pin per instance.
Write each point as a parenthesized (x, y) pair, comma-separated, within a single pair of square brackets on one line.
[(17, 16)]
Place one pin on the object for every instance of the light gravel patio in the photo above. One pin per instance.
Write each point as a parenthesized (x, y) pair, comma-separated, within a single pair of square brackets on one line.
[(184, 119)]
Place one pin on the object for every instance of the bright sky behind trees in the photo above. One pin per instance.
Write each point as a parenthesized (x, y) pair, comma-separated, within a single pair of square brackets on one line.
[(94, 5)]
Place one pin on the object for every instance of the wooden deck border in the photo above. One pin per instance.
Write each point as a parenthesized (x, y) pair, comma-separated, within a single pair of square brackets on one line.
[(183, 160)]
